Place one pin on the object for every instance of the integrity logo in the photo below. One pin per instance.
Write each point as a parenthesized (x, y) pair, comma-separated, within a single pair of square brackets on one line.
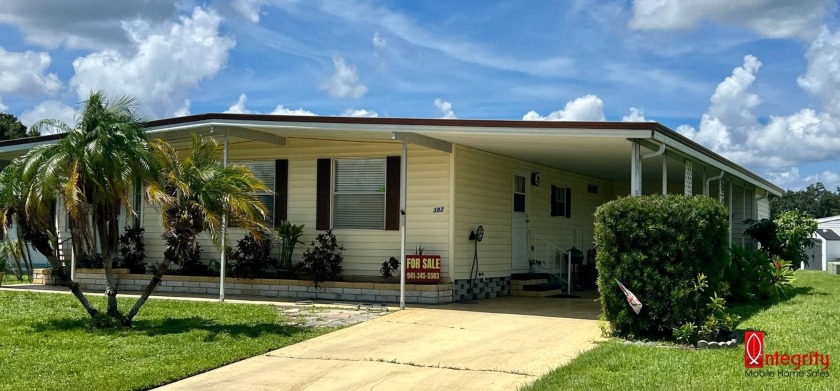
[(808, 364)]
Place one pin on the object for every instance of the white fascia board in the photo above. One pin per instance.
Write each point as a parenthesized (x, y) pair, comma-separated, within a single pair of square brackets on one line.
[(428, 130), (827, 219), (424, 141), (25, 147), (695, 154)]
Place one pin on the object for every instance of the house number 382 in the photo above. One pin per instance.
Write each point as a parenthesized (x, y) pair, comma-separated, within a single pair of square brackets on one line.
[(438, 209)]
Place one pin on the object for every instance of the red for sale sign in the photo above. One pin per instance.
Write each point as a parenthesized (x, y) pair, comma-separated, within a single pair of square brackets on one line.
[(422, 268)]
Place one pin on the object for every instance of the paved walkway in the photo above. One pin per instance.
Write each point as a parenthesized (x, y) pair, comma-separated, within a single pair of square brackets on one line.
[(497, 344)]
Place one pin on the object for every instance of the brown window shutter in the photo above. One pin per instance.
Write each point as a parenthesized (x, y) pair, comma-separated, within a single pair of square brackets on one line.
[(281, 191), (392, 193), (322, 198), (568, 202)]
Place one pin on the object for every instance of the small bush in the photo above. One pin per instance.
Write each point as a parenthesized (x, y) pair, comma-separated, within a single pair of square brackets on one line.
[(657, 246), (390, 267), (251, 257), (785, 237), (289, 235), (710, 321), (746, 275), (322, 261), (132, 250), (193, 266)]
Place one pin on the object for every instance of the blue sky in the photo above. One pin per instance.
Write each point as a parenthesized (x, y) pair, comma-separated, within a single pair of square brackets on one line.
[(757, 81)]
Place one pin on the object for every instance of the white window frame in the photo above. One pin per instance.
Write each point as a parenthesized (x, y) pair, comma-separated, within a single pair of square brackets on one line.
[(270, 191), (333, 172)]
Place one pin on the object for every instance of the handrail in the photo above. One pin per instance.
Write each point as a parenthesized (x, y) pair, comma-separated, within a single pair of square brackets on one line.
[(555, 248)]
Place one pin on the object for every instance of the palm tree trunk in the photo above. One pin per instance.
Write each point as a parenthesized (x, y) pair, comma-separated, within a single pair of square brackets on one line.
[(107, 262), (157, 278), (74, 288)]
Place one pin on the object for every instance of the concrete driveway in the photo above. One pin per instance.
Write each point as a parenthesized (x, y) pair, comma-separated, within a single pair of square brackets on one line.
[(497, 344)]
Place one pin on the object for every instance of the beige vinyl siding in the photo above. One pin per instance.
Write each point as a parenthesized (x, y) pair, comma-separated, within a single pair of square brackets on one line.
[(365, 249), (763, 208), (742, 210), (483, 195)]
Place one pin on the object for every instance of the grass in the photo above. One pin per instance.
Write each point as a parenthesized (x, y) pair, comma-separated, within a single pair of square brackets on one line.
[(46, 344), (9, 278), (806, 322)]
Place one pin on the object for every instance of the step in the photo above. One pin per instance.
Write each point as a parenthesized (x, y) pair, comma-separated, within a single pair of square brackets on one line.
[(542, 287), (529, 276), (521, 283), (538, 294)]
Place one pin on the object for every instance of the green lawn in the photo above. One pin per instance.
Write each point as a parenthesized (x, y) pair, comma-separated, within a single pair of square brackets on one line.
[(45, 343), (808, 321), (10, 279)]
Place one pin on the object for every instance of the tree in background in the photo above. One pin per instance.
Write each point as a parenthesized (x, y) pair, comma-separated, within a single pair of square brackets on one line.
[(815, 201), (786, 236), (11, 128)]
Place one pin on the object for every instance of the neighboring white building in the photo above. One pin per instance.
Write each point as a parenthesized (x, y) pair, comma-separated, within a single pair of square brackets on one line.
[(826, 243)]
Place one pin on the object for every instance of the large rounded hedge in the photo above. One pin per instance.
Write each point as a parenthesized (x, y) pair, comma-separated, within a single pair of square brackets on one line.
[(656, 246)]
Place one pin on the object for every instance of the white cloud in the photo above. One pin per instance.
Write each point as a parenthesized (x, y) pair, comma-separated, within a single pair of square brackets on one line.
[(445, 109), (23, 73), (771, 18), (50, 109), (85, 24), (344, 83), (406, 29), (168, 61), (184, 110), (239, 108), (585, 108), (280, 110), (359, 113), (2, 106), (730, 127), (250, 8), (636, 115), (823, 75), (379, 42), (791, 179)]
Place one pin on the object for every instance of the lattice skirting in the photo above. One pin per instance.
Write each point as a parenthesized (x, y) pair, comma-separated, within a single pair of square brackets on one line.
[(484, 288)]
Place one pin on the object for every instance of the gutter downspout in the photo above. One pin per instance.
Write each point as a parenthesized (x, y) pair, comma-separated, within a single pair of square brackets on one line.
[(709, 180)]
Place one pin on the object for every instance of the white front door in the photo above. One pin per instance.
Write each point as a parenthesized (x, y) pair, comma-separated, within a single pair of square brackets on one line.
[(519, 244)]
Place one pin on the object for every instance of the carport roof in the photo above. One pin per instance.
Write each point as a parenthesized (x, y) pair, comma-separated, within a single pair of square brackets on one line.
[(597, 149)]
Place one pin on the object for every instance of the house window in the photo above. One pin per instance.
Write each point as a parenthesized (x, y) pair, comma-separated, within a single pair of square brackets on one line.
[(359, 193), (561, 201), (138, 203), (264, 171)]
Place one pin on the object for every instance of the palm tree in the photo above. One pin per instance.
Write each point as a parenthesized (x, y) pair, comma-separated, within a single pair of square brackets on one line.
[(93, 169), (13, 195), (195, 194)]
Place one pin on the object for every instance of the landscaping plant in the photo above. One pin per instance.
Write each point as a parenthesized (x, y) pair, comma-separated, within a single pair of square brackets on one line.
[(710, 319), (289, 235), (657, 246), (197, 193), (322, 261), (251, 257), (785, 237), (390, 267), (133, 250)]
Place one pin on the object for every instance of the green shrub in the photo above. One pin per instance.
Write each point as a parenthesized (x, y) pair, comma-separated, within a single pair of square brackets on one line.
[(747, 274), (785, 237), (390, 267), (132, 250), (289, 235), (657, 246), (251, 257), (322, 261)]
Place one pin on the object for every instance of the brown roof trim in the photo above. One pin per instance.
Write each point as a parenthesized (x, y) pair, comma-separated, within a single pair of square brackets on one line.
[(405, 121)]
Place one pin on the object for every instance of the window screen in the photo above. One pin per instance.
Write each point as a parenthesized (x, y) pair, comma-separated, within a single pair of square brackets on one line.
[(359, 193), (264, 171)]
